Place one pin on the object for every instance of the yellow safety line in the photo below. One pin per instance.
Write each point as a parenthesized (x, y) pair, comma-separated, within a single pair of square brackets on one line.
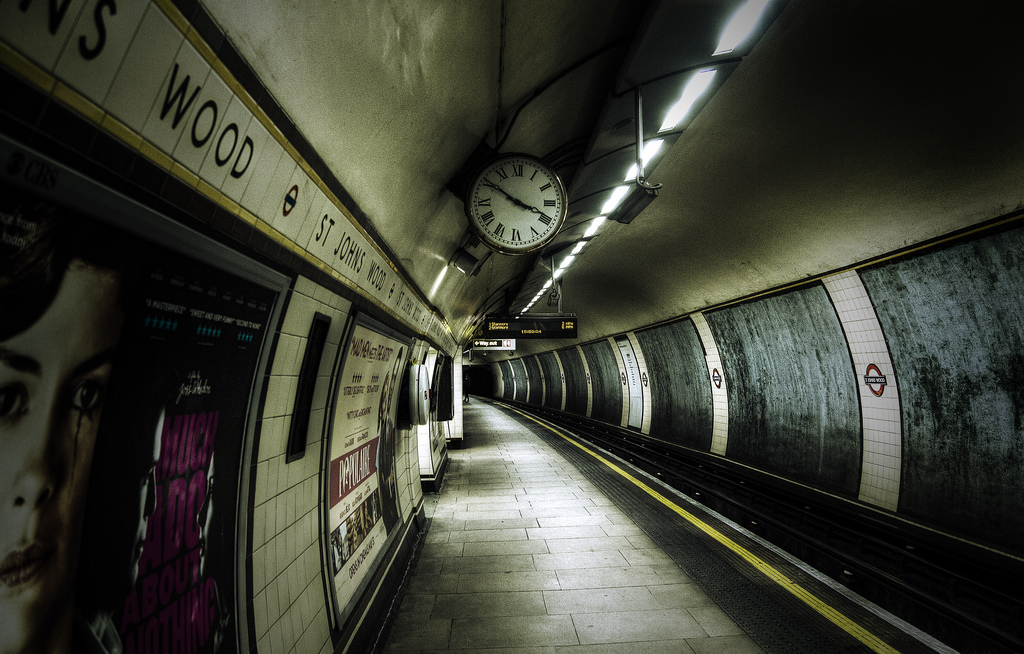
[(836, 617)]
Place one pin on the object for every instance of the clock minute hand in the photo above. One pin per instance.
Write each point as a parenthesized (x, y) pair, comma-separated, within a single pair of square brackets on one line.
[(506, 194)]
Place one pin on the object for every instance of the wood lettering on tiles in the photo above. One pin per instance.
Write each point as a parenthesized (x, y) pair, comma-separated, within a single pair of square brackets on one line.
[(230, 145)]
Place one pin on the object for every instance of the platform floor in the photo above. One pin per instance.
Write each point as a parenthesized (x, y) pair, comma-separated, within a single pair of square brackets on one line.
[(532, 548)]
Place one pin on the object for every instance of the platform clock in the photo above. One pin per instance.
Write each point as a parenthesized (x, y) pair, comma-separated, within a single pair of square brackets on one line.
[(516, 204)]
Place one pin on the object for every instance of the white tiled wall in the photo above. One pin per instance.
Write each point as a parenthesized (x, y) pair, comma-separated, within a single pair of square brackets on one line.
[(457, 421), (543, 381), (289, 609), (159, 87), (590, 382), (624, 389), (719, 395), (561, 375), (882, 422), (641, 363)]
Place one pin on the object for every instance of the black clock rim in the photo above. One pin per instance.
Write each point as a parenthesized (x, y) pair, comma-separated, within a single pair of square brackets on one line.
[(485, 238)]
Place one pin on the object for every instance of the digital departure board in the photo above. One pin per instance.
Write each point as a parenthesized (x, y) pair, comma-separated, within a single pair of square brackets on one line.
[(561, 326)]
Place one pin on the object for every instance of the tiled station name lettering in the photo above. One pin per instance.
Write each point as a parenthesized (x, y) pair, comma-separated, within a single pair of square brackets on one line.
[(231, 146)]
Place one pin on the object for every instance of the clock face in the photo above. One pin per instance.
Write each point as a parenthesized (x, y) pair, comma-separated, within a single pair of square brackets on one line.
[(516, 204)]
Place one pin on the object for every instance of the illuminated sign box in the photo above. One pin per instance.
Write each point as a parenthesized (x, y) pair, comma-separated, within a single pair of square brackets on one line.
[(502, 327), (494, 344)]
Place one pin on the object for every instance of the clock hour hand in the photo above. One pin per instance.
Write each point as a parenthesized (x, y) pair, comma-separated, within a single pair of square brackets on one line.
[(536, 210)]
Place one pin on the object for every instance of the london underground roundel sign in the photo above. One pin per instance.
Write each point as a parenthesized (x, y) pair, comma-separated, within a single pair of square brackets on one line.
[(875, 380)]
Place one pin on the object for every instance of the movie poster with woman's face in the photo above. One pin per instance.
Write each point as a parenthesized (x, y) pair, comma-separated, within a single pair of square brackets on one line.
[(363, 506), (126, 372)]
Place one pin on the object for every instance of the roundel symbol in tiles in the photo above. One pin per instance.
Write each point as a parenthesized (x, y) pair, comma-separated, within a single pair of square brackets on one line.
[(290, 200), (875, 380), (716, 377)]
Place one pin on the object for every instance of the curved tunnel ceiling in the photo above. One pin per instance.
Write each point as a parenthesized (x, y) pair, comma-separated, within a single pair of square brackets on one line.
[(842, 132)]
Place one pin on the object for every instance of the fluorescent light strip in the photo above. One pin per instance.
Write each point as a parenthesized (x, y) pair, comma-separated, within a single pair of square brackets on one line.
[(650, 150), (594, 226), (740, 26), (691, 92), (613, 202), (579, 246), (437, 283)]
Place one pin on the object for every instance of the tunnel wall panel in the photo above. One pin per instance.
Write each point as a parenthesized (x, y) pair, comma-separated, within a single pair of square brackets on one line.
[(604, 374), (536, 383), (553, 375), (575, 382), (522, 381), (955, 326), (793, 402), (508, 380), (682, 407)]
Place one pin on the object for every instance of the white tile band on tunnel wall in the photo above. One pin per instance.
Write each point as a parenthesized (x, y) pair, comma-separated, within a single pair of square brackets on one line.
[(561, 374), (543, 381), (624, 388), (880, 403), (641, 363), (590, 382), (149, 54), (529, 381), (719, 390)]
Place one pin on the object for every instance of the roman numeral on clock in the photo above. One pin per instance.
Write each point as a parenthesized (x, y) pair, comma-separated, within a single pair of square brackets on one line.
[(544, 219), (487, 218), (499, 230), (515, 235)]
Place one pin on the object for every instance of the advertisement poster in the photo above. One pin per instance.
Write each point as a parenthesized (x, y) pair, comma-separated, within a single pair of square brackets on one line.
[(363, 506), (126, 377)]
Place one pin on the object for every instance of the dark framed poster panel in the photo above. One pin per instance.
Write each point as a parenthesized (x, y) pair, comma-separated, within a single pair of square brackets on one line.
[(130, 354), (362, 509)]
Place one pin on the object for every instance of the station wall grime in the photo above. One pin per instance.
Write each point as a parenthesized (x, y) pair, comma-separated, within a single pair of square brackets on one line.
[(792, 398), (522, 381), (604, 375), (899, 384), (553, 374), (576, 382), (681, 395), (955, 325), (536, 385)]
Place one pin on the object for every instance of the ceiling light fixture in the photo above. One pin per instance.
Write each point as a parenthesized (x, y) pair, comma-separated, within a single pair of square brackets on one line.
[(464, 262), (615, 199), (578, 248), (440, 278), (650, 150), (594, 226), (740, 26), (691, 92)]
